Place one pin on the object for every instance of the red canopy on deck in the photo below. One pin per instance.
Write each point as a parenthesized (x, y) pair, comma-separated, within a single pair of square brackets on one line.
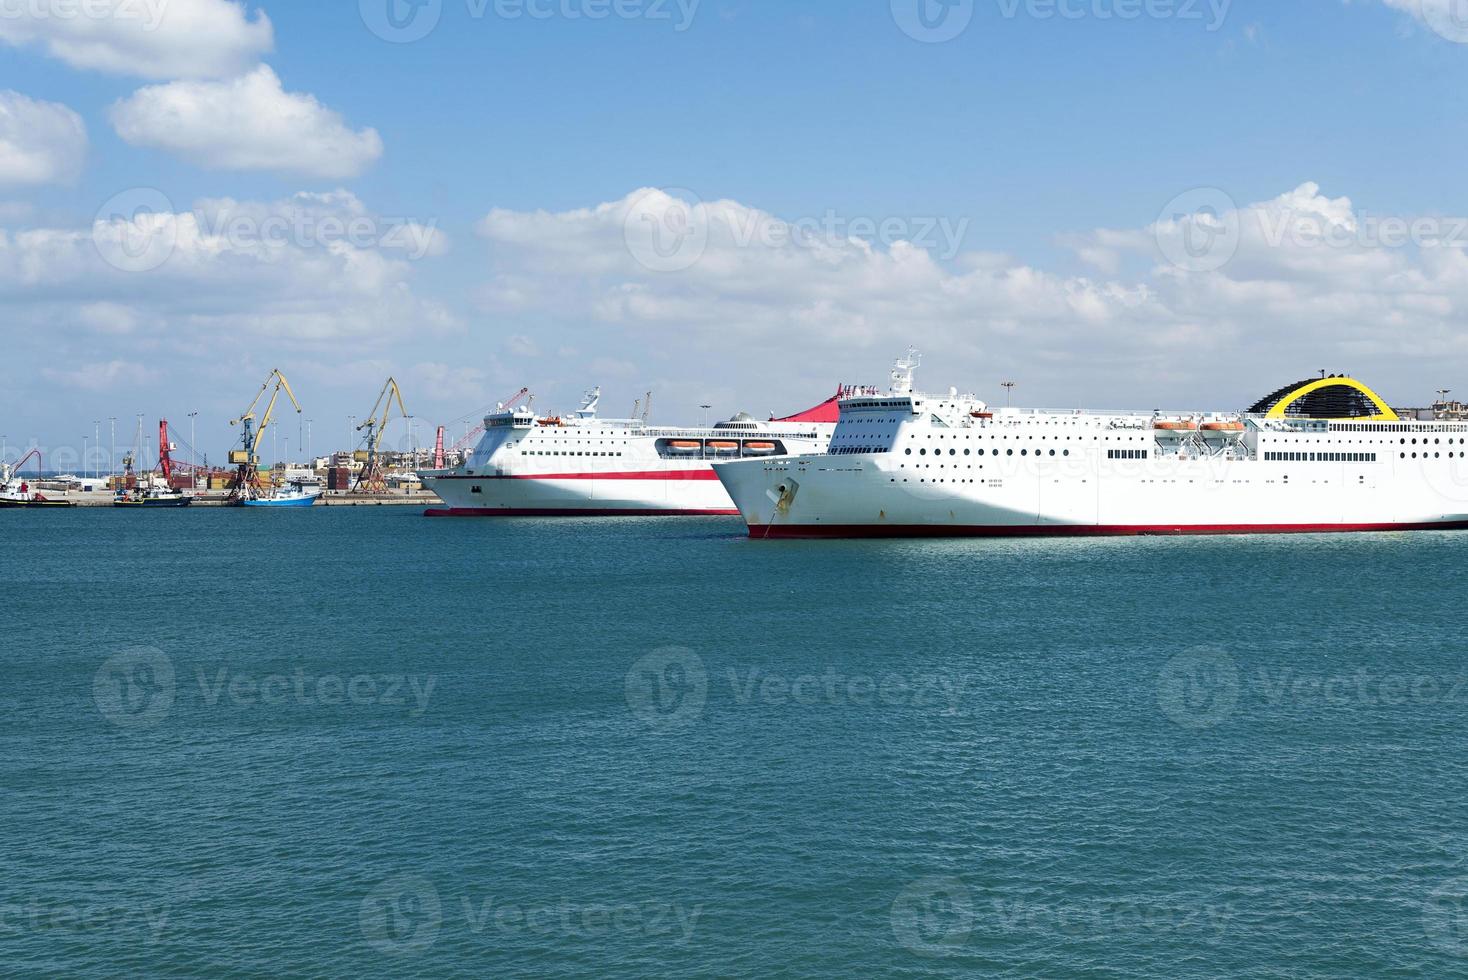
[(826, 411)]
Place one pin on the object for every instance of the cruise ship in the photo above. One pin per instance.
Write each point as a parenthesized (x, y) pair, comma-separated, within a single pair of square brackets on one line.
[(584, 465), (1325, 454)]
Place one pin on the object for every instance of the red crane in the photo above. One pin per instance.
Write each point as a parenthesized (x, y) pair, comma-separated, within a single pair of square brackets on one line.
[(478, 430)]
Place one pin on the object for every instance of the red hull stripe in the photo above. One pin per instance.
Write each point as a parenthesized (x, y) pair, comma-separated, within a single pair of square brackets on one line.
[(573, 512), (671, 475), (1073, 530)]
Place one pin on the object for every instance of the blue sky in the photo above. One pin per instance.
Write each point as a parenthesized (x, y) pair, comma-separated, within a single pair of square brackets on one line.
[(1052, 143)]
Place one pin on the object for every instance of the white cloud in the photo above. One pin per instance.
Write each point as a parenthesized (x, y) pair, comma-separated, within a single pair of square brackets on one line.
[(103, 376), (1313, 282), (246, 123), (201, 279), (40, 142), (147, 38)]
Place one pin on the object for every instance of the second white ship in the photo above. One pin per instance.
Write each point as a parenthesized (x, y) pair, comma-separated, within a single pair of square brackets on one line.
[(584, 465)]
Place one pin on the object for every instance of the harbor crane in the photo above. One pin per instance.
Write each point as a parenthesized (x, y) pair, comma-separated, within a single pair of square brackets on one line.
[(246, 483), (371, 479)]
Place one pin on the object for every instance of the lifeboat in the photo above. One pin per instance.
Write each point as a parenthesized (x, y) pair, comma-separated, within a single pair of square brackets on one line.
[(551, 422), (1225, 427), (981, 415), (684, 446), (1175, 425), (724, 447), (760, 448)]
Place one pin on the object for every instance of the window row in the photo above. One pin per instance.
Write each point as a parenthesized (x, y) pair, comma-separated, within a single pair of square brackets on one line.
[(1321, 457)]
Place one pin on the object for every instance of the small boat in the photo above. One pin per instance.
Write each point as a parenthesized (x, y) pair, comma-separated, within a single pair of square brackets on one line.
[(33, 502), (297, 495), (1222, 427), (760, 448), (1175, 425), (724, 447), (16, 493), (684, 446), (150, 497)]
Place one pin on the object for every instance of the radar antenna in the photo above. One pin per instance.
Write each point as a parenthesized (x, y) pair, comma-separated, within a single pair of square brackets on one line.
[(902, 372)]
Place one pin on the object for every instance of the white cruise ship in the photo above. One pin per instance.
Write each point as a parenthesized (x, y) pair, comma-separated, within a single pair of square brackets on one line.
[(1326, 454), (535, 466)]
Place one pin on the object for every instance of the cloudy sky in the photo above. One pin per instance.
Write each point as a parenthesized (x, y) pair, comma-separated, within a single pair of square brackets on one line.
[(1113, 203)]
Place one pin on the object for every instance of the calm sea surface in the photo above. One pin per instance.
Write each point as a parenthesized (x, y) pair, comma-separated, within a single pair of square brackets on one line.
[(358, 742)]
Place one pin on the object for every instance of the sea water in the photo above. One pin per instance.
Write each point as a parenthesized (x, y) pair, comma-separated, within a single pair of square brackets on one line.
[(359, 742)]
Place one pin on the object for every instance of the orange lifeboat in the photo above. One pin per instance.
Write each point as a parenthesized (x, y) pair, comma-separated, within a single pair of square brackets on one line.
[(550, 422), (724, 447), (684, 446), (1172, 425), (1222, 427), (982, 415), (760, 448)]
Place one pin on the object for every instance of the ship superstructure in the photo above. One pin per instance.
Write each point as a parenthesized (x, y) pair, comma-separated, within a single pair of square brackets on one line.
[(532, 465), (1326, 454)]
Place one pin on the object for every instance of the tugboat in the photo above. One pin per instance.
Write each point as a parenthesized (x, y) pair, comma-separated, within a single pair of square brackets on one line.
[(152, 495), (16, 493)]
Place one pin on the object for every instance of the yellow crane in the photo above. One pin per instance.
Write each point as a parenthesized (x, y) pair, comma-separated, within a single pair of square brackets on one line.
[(371, 479), (246, 484)]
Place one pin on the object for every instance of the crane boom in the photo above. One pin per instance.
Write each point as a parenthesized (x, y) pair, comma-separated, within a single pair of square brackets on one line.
[(371, 477), (247, 478)]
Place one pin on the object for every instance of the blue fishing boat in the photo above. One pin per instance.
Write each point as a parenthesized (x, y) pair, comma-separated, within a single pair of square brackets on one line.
[(296, 494)]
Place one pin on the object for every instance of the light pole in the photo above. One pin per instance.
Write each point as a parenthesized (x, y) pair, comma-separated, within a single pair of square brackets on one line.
[(112, 446), (85, 449), (193, 453), (96, 441), (704, 423), (1008, 387), (310, 458)]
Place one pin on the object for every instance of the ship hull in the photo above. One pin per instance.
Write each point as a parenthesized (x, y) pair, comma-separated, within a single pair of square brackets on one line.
[(153, 504), (875, 497), (670, 493)]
